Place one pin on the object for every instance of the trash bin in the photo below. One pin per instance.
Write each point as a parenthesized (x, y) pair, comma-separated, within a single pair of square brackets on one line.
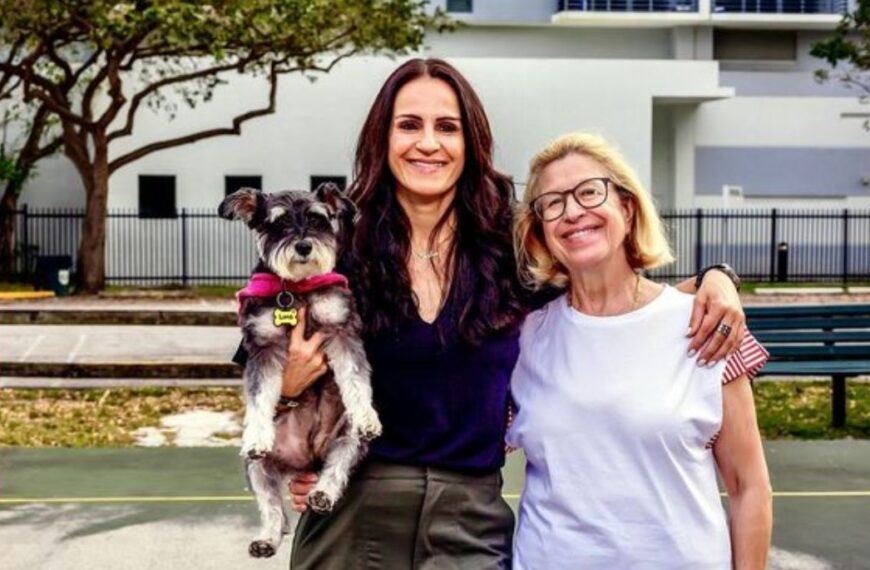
[(54, 272)]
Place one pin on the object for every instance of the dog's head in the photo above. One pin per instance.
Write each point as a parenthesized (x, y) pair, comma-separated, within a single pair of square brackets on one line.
[(298, 233)]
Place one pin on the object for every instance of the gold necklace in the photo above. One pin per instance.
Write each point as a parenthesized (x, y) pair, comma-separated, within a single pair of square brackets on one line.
[(426, 255), (430, 254), (635, 303)]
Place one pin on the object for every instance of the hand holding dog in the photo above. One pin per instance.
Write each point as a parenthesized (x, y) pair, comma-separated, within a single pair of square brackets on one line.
[(300, 486), (306, 361)]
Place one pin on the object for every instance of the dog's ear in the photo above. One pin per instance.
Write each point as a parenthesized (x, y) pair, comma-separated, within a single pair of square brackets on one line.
[(337, 202), (246, 204)]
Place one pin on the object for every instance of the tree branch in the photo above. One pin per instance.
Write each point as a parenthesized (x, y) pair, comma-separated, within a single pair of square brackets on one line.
[(136, 101), (275, 70), (7, 77), (178, 141), (116, 94)]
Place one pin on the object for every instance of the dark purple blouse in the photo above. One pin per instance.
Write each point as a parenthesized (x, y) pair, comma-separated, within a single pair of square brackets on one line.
[(443, 403)]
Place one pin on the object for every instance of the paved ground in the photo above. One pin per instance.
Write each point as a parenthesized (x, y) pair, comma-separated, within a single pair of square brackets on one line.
[(91, 303), (137, 509), (116, 343)]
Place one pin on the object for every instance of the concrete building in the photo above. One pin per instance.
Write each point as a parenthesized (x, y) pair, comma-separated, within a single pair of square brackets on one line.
[(714, 101)]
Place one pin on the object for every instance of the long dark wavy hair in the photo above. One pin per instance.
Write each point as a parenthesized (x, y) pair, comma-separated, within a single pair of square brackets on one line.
[(481, 268)]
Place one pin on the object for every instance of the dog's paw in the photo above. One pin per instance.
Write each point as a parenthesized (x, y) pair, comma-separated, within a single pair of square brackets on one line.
[(255, 454), (320, 502), (369, 429), (255, 450), (261, 549)]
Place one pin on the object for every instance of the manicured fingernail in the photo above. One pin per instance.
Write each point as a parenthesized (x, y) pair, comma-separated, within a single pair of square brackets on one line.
[(702, 362), (712, 364), (692, 352)]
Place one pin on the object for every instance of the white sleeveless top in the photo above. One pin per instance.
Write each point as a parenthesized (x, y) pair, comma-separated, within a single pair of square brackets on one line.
[(616, 422)]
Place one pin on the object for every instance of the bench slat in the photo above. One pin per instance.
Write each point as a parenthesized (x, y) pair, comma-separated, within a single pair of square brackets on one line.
[(806, 310), (812, 336), (842, 352), (819, 323), (820, 368)]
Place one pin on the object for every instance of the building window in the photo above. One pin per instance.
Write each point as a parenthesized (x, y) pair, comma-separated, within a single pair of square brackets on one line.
[(459, 6), (233, 183), (754, 45), (340, 181), (156, 196)]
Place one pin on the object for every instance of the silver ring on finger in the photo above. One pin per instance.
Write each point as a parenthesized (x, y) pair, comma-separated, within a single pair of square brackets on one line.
[(723, 329)]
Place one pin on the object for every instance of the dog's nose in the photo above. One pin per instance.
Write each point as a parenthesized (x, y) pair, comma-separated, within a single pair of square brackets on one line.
[(303, 247)]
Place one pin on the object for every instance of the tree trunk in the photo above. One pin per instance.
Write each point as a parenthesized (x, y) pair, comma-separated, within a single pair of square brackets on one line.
[(8, 205), (92, 248)]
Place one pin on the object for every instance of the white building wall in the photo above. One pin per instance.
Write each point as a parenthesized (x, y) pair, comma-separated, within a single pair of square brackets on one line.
[(529, 101)]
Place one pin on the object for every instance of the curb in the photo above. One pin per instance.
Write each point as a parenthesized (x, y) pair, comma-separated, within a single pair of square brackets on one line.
[(128, 370), (117, 317), (40, 382), (25, 295)]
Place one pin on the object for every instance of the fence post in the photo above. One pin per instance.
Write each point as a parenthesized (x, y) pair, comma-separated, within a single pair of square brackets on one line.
[(845, 246), (699, 239), (184, 247), (773, 218), (25, 239)]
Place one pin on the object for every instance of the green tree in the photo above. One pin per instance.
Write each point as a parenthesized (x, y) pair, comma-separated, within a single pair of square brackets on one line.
[(849, 48), (94, 63), (29, 134)]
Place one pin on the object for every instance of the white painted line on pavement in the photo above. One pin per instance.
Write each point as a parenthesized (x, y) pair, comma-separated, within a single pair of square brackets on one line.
[(236, 498), (75, 351), (33, 346)]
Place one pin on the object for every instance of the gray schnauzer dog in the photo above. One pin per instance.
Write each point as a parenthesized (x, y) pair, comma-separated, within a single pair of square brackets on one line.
[(326, 428)]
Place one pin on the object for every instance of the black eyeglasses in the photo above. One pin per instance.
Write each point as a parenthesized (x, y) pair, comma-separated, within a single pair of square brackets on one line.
[(589, 193)]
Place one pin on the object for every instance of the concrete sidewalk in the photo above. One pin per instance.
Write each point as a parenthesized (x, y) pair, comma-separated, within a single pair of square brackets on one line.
[(137, 509), (117, 343)]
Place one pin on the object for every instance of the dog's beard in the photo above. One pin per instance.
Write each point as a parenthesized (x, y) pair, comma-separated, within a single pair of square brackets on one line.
[(288, 264)]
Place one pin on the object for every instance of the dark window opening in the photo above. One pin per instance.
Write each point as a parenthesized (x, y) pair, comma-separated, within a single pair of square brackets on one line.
[(157, 196), (754, 45), (340, 181), (233, 183), (459, 6)]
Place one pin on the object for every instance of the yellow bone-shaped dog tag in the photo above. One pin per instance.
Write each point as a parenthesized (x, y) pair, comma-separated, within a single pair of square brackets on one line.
[(285, 317)]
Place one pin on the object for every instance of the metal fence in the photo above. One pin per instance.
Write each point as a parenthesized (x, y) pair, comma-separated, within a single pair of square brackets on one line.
[(719, 6), (630, 5), (197, 247)]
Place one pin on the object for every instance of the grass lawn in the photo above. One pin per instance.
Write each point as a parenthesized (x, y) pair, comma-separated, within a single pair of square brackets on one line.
[(802, 410), (96, 418), (15, 286)]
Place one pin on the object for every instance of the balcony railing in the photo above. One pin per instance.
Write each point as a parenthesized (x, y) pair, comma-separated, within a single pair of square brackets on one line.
[(629, 5), (780, 6)]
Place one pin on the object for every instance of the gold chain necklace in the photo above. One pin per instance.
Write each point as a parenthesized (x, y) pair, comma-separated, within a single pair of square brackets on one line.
[(635, 303)]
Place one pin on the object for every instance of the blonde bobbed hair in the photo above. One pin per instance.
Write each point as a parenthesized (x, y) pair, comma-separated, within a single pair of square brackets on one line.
[(646, 245)]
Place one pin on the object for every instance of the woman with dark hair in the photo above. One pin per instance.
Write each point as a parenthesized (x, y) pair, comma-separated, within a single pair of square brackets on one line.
[(432, 268)]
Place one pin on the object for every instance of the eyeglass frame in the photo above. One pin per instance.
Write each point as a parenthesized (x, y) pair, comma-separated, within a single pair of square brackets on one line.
[(564, 195)]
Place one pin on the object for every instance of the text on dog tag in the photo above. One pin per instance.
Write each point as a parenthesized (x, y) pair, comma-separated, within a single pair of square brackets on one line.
[(285, 317)]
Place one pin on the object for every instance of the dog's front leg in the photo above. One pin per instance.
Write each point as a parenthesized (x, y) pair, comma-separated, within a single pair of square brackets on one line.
[(266, 484), (347, 358), (344, 453), (262, 392)]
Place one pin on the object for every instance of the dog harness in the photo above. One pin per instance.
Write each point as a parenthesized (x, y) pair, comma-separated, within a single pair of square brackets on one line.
[(270, 285)]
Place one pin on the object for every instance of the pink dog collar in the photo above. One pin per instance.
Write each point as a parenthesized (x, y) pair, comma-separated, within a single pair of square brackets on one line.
[(269, 285)]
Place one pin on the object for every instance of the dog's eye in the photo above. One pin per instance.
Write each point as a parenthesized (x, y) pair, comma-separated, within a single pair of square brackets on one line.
[(314, 218)]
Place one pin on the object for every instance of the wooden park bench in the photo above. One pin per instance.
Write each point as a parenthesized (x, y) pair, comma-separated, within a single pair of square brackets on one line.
[(823, 340)]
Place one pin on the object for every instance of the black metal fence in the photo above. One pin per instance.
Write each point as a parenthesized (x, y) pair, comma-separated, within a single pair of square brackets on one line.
[(197, 247)]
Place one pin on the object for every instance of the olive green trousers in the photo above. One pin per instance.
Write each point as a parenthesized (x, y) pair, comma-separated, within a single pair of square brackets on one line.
[(400, 517)]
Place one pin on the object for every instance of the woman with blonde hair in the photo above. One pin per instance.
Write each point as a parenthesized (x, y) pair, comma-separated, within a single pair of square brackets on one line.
[(623, 431)]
